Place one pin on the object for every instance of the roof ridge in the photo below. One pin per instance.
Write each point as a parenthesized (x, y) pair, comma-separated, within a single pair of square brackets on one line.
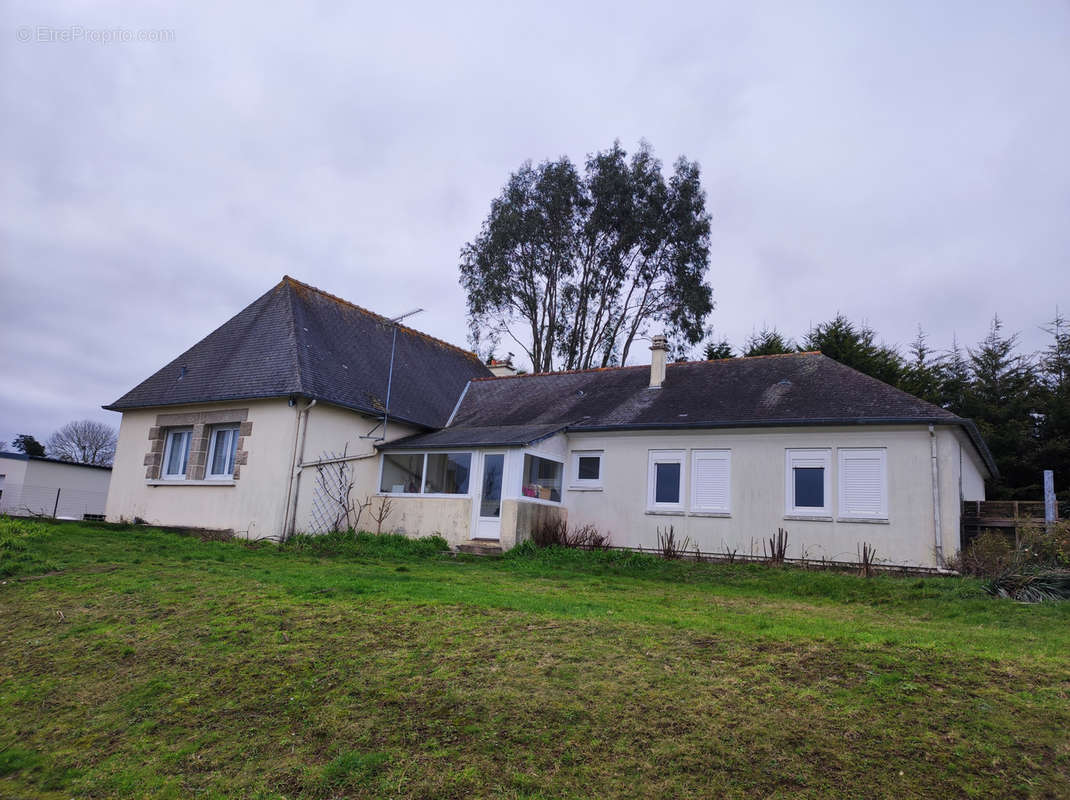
[(296, 349), (647, 366), (294, 283)]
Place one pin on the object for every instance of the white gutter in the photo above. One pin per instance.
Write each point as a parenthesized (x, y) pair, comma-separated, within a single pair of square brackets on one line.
[(938, 535)]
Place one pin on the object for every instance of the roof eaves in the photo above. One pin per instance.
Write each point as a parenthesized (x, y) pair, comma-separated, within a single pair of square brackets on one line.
[(366, 410)]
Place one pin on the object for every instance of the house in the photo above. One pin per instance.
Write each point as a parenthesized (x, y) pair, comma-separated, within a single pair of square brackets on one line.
[(278, 422), (48, 487)]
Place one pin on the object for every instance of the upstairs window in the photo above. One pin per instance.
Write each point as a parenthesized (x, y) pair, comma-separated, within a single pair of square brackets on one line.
[(665, 480), (586, 469), (863, 483), (542, 478), (176, 453), (808, 481), (222, 449)]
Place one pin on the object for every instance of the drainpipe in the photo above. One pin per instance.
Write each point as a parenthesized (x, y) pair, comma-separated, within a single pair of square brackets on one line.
[(290, 518), (938, 543)]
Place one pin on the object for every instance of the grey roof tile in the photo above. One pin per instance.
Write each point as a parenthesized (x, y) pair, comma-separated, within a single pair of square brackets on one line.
[(795, 389), (299, 340)]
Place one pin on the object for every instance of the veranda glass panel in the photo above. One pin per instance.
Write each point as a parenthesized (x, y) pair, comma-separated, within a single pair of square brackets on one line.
[(402, 473), (542, 478), (447, 473)]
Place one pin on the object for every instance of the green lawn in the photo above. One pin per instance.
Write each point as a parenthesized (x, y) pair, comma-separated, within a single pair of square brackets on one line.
[(136, 663)]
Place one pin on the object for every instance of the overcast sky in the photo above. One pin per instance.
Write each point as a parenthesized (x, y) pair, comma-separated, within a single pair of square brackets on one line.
[(904, 165)]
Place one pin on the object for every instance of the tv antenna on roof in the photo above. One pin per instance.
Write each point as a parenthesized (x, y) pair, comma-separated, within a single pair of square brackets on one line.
[(390, 374)]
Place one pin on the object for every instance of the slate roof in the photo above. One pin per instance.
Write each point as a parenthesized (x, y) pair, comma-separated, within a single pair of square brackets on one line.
[(299, 340), (786, 390)]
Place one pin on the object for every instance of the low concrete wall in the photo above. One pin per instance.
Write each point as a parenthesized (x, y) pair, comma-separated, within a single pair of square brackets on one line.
[(448, 517), (520, 517)]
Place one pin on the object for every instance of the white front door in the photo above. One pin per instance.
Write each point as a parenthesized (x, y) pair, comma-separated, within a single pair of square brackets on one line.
[(488, 518)]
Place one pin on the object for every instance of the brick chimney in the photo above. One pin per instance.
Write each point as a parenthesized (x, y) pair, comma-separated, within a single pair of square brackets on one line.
[(501, 369), (659, 350)]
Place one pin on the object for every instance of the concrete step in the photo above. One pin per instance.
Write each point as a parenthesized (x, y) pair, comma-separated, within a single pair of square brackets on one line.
[(476, 547)]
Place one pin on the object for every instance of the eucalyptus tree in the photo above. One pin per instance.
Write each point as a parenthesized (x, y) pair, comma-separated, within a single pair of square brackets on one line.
[(575, 268)]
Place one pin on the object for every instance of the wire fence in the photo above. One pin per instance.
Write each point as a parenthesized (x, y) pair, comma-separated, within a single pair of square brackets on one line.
[(52, 501)]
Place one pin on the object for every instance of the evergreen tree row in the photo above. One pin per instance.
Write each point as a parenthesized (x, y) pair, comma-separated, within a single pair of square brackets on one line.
[(1020, 401)]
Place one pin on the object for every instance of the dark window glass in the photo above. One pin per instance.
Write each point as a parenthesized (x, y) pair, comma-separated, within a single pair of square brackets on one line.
[(666, 483), (588, 468), (809, 487)]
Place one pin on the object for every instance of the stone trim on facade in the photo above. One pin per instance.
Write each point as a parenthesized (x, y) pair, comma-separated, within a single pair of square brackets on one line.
[(201, 422)]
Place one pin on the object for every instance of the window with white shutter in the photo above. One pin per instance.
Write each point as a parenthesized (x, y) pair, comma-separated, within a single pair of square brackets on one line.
[(711, 481), (863, 483)]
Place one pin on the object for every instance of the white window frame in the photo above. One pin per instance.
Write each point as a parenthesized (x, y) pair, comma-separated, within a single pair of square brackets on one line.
[(665, 457), (423, 472), (168, 444), (843, 453), (576, 483), (814, 457), (712, 454), (212, 431)]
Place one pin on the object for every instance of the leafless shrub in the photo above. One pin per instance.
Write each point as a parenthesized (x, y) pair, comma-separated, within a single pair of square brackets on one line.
[(556, 533), (587, 537), (386, 505), (867, 557), (671, 547), (777, 549), (550, 533), (335, 482)]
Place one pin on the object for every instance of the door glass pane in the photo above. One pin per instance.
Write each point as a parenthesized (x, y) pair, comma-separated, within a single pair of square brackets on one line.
[(667, 483), (809, 487), (402, 473), (490, 504), (447, 473), (588, 468)]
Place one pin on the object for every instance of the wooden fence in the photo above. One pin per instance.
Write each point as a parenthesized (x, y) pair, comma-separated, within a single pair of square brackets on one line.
[(1006, 516)]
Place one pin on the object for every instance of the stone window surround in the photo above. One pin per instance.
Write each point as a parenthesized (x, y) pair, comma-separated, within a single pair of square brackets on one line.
[(201, 422)]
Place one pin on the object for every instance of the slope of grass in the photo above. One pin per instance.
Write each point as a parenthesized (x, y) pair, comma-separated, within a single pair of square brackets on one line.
[(137, 663)]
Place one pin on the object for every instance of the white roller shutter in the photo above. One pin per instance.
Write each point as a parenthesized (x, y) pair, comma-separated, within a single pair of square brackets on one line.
[(711, 481), (864, 483)]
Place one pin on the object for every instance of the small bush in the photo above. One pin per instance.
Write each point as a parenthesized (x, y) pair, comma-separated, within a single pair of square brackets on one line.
[(989, 554), (350, 543), (1042, 545)]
